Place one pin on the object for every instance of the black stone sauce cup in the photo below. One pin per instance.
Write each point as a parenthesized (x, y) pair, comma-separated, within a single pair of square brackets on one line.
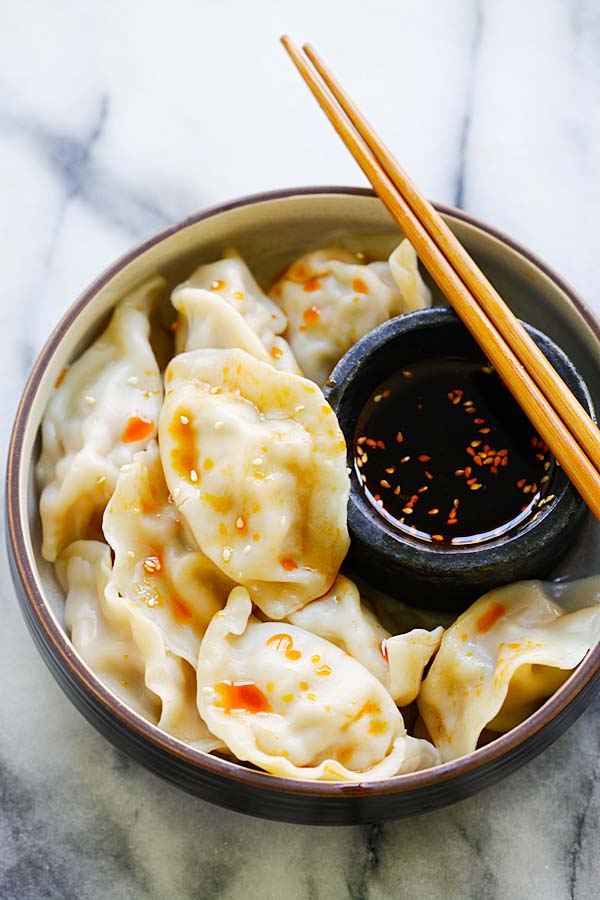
[(424, 574)]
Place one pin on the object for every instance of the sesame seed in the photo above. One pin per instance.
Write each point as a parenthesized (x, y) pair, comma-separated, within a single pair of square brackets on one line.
[(226, 554), (184, 420), (132, 380), (257, 461), (193, 475)]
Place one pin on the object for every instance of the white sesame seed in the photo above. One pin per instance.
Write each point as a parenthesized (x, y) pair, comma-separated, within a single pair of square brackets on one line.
[(132, 380), (184, 420), (239, 522), (300, 408), (258, 461), (214, 390), (100, 479), (226, 554), (193, 475)]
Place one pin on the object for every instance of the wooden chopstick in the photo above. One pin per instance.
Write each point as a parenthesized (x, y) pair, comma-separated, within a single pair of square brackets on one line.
[(543, 373), (541, 413)]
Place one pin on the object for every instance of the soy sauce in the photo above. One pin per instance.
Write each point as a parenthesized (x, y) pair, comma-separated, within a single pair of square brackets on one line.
[(445, 454)]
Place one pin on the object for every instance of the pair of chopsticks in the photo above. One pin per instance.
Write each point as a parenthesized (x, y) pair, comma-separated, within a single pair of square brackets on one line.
[(551, 407)]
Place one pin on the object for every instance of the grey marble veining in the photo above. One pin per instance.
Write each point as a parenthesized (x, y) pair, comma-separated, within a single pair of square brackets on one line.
[(118, 118)]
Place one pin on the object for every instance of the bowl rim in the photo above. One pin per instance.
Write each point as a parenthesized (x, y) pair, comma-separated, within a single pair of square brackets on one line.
[(61, 646)]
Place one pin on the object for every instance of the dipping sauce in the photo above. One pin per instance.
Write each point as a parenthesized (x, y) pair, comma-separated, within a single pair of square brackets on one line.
[(445, 454)]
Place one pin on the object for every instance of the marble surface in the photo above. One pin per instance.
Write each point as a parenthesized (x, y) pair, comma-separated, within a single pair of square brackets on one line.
[(118, 118)]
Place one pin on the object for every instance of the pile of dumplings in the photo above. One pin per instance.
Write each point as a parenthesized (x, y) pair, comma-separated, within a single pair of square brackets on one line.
[(194, 506)]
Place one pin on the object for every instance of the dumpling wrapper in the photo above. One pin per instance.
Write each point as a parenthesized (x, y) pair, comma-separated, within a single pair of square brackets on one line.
[(157, 567), (296, 705), (507, 652), (230, 280), (343, 618), (125, 650), (103, 411), (332, 300), (256, 463)]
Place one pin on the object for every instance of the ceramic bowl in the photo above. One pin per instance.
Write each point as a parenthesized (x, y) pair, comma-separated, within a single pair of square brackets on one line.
[(430, 575), (269, 230)]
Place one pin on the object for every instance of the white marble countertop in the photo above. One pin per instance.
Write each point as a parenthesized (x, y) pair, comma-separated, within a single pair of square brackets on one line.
[(118, 118)]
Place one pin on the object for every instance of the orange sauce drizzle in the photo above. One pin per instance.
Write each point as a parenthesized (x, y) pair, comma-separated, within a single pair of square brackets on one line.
[(288, 564), (181, 612), (60, 378), (359, 286), (183, 455), (283, 643), (241, 696), (377, 726), (276, 352), (489, 617), (311, 315), (217, 285), (313, 284), (137, 429), (324, 670), (219, 502)]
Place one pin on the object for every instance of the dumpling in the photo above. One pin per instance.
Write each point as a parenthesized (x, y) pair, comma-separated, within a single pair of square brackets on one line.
[(106, 646), (230, 280), (256, 463), (104, 409), (157, 567), (125, 649), (207, 322), (348, 622), (296, 705), (331, 301), (507, 652)]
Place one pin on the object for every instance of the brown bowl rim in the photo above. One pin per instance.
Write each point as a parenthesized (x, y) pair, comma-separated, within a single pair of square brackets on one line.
[(63, 649)]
